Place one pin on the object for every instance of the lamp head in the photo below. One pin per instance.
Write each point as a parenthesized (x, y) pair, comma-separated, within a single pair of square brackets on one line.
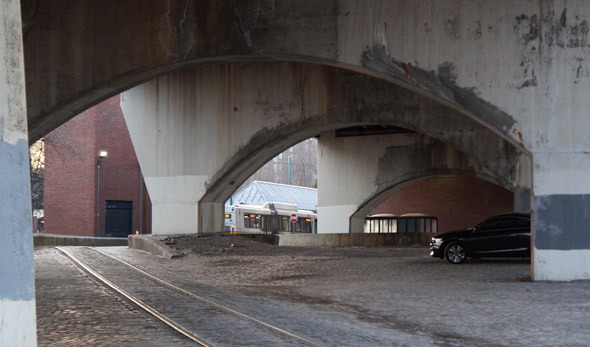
[(102, 154)]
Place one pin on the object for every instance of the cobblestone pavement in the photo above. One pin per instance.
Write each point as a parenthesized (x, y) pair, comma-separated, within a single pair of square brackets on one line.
[(74, 310), (349, 296)]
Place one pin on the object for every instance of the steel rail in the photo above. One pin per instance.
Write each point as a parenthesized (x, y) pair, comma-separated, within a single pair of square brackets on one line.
[(209, 302), (68, 255)]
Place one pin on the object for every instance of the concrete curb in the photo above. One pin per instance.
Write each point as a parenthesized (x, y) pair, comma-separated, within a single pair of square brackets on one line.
[(152, 245), (355, 240), (72, 240)]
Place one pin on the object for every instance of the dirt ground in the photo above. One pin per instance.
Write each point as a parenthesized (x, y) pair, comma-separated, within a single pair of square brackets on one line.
[(248, 245)]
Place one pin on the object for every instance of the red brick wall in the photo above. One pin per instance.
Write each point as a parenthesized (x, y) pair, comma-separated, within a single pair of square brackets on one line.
[(458, 202), (70, 180)]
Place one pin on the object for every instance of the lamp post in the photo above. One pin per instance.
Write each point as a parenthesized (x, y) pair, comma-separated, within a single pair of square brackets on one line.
[(101, 155)]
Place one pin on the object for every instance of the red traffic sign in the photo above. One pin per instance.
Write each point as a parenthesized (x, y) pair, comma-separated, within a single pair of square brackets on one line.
[(293, 218)]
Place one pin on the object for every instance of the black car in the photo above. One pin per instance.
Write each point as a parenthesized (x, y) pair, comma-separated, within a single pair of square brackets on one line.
[(505, 235)]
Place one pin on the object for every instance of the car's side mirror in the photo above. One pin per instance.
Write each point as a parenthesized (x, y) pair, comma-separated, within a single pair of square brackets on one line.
[(471, 230)]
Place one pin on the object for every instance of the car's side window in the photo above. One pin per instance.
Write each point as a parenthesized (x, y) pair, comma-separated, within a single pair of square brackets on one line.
[(491, 225), (515, 223)]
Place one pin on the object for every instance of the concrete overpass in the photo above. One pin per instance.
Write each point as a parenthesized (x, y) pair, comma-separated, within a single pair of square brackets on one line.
[(502, 82)]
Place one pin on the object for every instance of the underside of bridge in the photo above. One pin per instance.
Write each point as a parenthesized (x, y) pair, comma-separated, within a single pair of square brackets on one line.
[(201, 133), (497, 89)]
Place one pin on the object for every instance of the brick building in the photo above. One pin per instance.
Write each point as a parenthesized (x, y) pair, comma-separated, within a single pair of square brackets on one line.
[(74, 184), (457, 202)]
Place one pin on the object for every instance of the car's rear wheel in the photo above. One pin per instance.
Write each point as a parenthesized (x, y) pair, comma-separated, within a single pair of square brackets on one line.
[(455, 253)]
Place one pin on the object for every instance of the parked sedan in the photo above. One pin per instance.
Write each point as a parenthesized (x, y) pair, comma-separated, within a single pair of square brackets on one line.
[(505, 235)]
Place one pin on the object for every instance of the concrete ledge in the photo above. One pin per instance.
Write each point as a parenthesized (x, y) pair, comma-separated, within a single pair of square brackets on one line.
[(72, 240), (152, 245), (355, 240)]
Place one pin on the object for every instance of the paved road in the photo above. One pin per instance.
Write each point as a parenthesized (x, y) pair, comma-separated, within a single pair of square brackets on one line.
[(345, 296)]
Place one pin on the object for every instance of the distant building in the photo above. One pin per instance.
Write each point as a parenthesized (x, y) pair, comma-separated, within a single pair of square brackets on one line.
[(259, 192), (82, 199), (458, 202)]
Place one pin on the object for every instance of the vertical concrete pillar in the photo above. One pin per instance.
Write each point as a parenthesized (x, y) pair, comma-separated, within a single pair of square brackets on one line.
[(191, 128), (174, 204), (561, 216), (17, 283), (347, 168), (524, 180), (211, 217)]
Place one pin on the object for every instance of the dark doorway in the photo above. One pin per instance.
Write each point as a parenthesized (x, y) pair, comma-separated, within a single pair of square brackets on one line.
[(118, 218)]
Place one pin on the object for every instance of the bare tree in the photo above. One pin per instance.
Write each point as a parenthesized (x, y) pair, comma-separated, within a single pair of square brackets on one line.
[(37, 155), (302, 167)]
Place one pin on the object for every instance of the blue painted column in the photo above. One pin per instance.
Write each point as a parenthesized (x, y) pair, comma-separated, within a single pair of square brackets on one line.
[(17, 282), (561, 222)]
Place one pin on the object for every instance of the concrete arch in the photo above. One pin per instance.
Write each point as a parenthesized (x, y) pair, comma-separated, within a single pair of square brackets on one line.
[(513, 67), (357, 219), (362, 100), (214, 126), (356, 173), (112, 55)]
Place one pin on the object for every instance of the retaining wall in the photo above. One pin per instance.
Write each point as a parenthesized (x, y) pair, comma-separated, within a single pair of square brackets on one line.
[(70, 240), (358, 240)]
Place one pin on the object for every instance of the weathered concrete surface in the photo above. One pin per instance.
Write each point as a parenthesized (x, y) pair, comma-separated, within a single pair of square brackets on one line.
[(355, 240), (519, 68), (152, 245), (17, 284), (141, 41), (200, 133), (356, 174), (70, 240)]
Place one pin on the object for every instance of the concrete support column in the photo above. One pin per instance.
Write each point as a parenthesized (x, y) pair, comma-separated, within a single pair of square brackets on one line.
[(191, 129), (355, 174), (17, 283), (174, 204), (211, 216), (524, 180), (347, 168), (561, 216)]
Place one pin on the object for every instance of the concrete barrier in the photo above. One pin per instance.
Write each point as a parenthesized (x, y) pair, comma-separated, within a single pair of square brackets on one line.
[(355, 240), (72, 240), (152, 245)]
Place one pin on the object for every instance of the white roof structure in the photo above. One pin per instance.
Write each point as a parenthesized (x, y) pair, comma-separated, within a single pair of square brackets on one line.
[(259, 192)]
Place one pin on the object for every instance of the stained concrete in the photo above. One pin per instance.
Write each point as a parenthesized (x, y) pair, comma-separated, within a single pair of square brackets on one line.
[(560, 222), (193, 161), (355, 240), (70, 240), (517, 69), (356, 174), (17, 284), (153, 245)]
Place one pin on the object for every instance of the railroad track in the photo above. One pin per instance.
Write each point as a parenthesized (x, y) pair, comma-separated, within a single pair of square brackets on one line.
[(201, 320)]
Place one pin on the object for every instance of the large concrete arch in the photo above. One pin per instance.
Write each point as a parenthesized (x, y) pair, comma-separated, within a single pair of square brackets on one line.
[(202, 132), (357, 219), (517, 68), (356, 173), (155, 38)]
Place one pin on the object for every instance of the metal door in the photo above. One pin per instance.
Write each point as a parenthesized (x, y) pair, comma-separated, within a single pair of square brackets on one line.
[(118, 218)]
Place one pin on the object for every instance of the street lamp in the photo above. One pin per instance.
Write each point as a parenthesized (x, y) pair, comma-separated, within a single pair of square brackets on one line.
[(101, 155)]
